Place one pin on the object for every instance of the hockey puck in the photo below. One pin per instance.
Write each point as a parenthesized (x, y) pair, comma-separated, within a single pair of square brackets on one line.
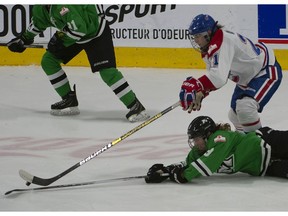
[(28, 183)]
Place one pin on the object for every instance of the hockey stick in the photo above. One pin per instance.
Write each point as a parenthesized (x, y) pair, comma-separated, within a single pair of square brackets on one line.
[(26, 46), (74, 184), (29, 178)]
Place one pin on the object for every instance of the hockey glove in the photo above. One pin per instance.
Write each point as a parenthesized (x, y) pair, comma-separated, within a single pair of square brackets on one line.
[(176, 174), (191, 94), (18, 44), (172, 166), (157, 174), (55, 45)]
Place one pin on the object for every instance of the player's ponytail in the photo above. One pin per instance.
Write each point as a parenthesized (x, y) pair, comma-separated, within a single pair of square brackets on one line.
[(223, 126)]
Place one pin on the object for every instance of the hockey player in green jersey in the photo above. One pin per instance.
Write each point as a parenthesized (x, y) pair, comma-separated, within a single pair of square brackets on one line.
[(217, 149), (80, 27)]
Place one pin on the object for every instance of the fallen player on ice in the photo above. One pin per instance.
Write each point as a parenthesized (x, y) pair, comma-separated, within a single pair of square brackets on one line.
[(217, 149)]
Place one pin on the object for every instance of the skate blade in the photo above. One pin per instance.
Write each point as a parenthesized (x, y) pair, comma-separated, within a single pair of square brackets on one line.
[(139, 117), (66, 112)]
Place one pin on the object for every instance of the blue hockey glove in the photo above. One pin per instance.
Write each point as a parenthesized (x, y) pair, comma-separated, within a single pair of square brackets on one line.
[(191, 94)]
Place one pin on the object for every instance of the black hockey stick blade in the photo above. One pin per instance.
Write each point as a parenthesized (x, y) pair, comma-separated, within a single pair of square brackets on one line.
[(29, 178), (74, 184), (27, 46)]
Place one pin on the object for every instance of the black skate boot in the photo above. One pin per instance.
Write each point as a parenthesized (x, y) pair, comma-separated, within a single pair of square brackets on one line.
[(137, 112), (68, 106)]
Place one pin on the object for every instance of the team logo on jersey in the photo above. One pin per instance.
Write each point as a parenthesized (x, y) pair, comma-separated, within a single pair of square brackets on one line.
[(63, 11), (227, 165), (219, 138)]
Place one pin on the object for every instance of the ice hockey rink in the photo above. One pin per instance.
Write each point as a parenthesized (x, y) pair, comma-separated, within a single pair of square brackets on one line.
[(44, 145)]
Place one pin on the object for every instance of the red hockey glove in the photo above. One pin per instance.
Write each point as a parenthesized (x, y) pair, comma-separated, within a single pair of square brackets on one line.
[(191, 94)]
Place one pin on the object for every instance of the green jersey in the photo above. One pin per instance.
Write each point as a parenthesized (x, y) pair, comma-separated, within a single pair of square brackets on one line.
[(229, 152), (79, 23)]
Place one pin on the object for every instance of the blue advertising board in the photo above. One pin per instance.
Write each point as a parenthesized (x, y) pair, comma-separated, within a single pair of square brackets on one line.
[(273, 24)]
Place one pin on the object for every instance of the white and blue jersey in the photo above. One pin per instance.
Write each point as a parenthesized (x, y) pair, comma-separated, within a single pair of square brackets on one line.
[(253, 67)]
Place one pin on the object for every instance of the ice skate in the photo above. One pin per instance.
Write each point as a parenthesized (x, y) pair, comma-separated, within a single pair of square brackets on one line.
[(68, 106), (137, 112)]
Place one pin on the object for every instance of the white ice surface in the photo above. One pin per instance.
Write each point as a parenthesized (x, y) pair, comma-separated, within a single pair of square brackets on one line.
[(45, 145)]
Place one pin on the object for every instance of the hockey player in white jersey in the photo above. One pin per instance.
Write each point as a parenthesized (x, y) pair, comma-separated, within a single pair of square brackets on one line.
[(227, 55)]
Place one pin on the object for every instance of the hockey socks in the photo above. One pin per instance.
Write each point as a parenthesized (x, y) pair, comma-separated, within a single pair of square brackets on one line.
[(55, 73), (60, 82), (115, 80)]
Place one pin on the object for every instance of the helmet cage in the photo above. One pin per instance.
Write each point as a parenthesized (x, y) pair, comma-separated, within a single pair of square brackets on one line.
[(195, 45), (191, 141), (201, 126), (200, 26)]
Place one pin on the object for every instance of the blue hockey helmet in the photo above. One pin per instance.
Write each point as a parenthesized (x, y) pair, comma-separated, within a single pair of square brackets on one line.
[(199, 27), (202, 23)]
